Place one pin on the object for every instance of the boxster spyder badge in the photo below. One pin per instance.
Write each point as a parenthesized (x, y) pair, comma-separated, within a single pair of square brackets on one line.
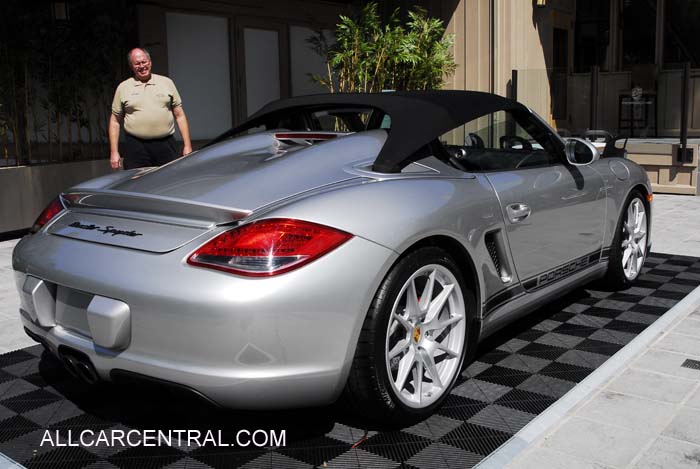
[(350, 246), (107, 229)]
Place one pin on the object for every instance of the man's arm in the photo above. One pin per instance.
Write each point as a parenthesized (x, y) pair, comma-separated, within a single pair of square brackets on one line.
[(114, 125), (184, 127)]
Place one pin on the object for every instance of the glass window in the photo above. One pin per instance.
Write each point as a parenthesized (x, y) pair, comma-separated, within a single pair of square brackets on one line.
[(508, 141), (681, 38), (638, 32)]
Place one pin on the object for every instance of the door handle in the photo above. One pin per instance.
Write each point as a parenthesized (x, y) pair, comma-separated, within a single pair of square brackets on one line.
[(518, 212)]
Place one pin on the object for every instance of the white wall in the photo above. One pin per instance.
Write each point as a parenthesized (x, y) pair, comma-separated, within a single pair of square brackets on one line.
[(304, 61), (262, 67), (199, 64)]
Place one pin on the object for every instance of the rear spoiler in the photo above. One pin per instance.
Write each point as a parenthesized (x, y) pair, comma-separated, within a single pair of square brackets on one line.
[(135, 205)]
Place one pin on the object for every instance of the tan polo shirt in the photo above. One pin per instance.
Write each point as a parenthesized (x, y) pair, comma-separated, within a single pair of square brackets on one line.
[(147, 108)]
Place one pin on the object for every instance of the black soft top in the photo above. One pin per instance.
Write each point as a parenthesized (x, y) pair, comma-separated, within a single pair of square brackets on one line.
[(417, 117)]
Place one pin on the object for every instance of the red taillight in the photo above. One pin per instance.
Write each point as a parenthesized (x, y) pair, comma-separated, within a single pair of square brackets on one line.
[(268, 247), (51, 210)]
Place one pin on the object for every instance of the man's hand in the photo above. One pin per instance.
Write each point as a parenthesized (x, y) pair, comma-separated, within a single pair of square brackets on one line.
[(114, 157), (184, 127), (114, 160)]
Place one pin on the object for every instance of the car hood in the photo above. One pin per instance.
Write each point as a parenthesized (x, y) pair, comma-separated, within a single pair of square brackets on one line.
[(250, 172)]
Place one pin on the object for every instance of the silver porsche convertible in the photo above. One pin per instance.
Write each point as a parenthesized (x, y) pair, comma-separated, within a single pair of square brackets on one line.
[(356, 246)]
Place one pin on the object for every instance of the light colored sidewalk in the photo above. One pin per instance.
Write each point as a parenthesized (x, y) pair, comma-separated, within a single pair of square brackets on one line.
[(12, 336), (675, 224)]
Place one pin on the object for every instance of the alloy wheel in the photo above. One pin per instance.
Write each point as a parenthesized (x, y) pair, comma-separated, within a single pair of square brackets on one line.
[(634, 242), (425, 336)]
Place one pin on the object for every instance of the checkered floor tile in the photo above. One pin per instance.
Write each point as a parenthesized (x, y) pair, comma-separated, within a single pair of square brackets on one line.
[(518, 373)]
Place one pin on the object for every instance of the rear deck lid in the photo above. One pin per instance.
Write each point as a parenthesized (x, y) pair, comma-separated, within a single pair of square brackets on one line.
[(144, 235)]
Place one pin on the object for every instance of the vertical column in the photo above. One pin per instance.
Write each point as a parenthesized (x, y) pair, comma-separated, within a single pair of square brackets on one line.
[(660, 22), (611, 58), (595, 76), (683, 156)]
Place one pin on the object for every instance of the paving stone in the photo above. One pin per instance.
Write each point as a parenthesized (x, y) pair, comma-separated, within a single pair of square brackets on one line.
[(635, 413), (661, 361), (669, 453), (652, 386), (688, 326), (541, 458), (597, 442), (680, 344), (685, 425), (694, 400)]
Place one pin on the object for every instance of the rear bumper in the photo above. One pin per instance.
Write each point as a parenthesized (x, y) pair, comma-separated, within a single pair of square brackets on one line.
[(279, 342)]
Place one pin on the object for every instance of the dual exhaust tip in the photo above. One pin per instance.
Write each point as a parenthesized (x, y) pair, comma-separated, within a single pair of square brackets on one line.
[(78, 365)]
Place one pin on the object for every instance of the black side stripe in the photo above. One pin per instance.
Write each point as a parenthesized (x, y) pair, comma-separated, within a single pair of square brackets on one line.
[(502, 297), (540, 281)]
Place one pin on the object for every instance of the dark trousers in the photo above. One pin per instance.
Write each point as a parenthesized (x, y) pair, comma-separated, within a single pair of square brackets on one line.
[(139, 153)]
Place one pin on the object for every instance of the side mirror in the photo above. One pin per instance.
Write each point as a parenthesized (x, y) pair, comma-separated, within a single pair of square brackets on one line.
[(580, 152)]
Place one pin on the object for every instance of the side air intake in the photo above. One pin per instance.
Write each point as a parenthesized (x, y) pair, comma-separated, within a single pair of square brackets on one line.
[(496, 249), (491, 246)]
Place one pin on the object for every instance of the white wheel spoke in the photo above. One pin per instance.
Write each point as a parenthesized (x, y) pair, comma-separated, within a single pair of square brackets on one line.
[(432, 369), (405, 366), (438, 303), (625, 243), (626, 256), (448, 352), (630, 218), (412, 300), (427, 294), (439, 325), (418, 381), (403, 321), (401, 346), (432, 347)]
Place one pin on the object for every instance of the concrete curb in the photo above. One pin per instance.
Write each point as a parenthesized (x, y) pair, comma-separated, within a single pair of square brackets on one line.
[(7, 463), (556, 412)]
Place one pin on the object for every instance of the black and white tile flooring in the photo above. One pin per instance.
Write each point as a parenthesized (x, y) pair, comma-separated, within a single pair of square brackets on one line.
[(518, 373)]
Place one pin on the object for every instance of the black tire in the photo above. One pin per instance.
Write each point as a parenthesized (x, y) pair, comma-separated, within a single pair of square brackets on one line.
[(369, 390), (615, 277)]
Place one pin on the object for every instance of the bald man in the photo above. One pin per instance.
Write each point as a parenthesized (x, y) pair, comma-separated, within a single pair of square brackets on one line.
[(149, 106)]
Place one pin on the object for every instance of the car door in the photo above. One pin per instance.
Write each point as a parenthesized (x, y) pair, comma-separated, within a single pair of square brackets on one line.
[(553, 211)]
